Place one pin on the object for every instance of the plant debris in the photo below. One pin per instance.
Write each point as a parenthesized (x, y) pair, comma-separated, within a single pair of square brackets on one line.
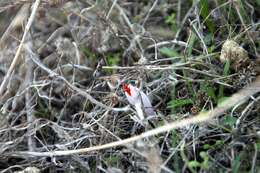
[(237, 55), (65, 65)]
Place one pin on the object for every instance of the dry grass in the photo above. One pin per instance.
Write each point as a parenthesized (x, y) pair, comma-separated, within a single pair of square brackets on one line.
[(61, 68)]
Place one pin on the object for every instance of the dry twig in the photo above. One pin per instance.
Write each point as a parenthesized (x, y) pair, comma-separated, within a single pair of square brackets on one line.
[(17, 55), (237, 98)]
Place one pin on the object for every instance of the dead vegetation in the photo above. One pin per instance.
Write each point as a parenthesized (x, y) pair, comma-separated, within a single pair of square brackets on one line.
[(62, 64)]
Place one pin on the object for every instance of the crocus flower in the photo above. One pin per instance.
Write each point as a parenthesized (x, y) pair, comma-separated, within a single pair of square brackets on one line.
[(139, 100)]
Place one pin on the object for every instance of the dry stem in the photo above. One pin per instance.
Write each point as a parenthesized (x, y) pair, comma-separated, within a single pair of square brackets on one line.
[(17, 55), (237, 98)]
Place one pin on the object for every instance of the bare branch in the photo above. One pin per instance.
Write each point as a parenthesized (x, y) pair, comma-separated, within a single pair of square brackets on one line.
[(237, 98), (17, 55)]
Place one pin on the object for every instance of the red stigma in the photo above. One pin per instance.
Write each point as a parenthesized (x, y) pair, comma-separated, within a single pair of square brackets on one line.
[(126, 89)]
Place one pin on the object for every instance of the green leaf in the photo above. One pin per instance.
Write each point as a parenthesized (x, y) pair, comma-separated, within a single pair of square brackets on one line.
[(206, 146), (193, 164), (112, 160), (205, 163), (204, 12), (112, 59), (171, 20), (258, 2), (258, 146), (203, 154), (179, 103), (208, 39), (225, 73), (175, 139), (226, 68), (88, 53), (211, 93), (211, 48), (169, 52), (235, 164), (191, 43), (229, 120), (219, 142), (209, 90)]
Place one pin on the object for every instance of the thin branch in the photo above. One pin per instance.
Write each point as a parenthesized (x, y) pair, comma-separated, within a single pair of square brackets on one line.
[(163, 43), (235, 99), (149, 12), (36, 60), (17, 55), (28, 98)]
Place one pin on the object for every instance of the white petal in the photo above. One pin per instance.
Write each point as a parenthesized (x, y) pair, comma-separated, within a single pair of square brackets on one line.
[(138, 108), (148, 108)]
